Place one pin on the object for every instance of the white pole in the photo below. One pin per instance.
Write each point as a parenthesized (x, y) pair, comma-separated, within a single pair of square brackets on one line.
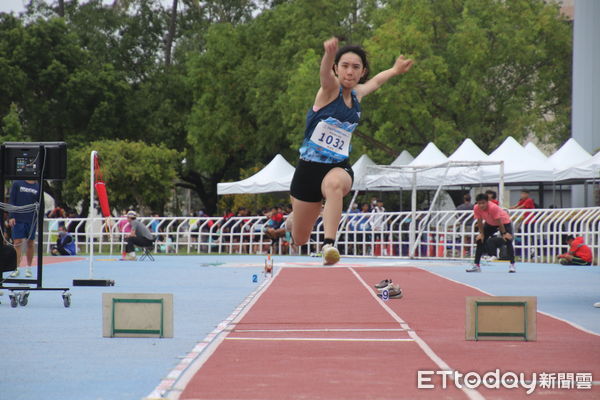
[(501, 184), (90, 215), (352, 201), (413, 217)]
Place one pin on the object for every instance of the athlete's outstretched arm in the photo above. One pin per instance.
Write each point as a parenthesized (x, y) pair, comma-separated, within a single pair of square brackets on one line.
[(328, 78), (329, 82), (401, 66)]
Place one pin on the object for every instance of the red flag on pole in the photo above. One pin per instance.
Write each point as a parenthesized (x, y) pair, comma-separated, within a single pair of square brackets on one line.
[(101, 189)]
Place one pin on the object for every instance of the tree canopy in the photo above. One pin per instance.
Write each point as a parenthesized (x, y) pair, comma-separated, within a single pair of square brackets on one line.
[(225, 85)]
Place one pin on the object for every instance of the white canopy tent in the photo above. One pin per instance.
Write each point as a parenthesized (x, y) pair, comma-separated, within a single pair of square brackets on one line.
[(403, 158), (587, 170), (430, 155), (472, 175), (520, 165), (395, 178), (274, 177), (535, 151), (468, 151), (361, 169), (570, 154), (523, 165)]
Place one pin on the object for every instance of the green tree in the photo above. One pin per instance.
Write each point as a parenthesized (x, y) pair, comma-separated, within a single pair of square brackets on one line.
[(11, 129), (60, 92), (136, 174), (485, 69), (241, 88)]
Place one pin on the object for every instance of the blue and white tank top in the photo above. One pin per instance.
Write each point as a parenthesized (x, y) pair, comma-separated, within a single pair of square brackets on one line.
[(329, 131)]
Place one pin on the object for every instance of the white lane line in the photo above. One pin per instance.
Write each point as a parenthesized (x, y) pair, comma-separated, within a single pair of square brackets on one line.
[(176, 381), (471, 394), (319, 330), (305, 339)]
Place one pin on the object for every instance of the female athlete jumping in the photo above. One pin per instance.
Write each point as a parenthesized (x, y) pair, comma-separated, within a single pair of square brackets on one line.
[(323, 171)]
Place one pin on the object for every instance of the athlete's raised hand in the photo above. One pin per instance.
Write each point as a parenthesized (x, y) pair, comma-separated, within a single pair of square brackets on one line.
[(402, 65), (331, 46)]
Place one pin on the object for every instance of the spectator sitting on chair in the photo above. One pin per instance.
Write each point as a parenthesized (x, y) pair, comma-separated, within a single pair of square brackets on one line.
[(124, 224), (273, 227), (139, 236), (579, 253), (65, 245), (525, 202)]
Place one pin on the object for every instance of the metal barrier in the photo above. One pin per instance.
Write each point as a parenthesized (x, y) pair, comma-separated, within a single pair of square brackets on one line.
[(439, 234)]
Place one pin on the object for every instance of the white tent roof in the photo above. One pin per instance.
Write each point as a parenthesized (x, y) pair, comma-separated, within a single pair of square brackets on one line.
[(403, 159), (571, 153), (535, 151), (274, 177), (360, 169), (393, 179), (589, 169), (430, 155), (468, 151), (520, 165)]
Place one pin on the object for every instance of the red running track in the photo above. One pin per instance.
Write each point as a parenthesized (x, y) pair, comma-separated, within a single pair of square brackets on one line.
[(321, 334)]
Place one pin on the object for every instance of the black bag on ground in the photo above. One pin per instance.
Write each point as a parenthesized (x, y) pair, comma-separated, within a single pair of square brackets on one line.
[(8, 258)]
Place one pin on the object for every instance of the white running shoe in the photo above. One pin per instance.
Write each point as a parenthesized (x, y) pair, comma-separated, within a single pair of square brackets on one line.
[(28, 273), (331, 255), (512, 268), (15, 273), (474, 268), (597, 305)]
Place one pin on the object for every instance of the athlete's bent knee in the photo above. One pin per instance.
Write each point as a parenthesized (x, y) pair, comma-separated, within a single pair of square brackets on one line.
[(300, 238)]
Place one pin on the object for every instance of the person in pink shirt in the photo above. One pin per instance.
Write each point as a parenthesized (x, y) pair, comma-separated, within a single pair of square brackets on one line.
[(491, 219), (124, 225)]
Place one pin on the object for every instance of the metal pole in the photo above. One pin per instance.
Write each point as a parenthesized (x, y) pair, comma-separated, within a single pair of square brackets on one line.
[(501, 184), (40, 219), (413, 216), (352, 201), (91, 214)]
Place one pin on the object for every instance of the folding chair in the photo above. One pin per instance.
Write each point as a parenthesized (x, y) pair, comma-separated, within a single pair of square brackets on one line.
[(147, 252)]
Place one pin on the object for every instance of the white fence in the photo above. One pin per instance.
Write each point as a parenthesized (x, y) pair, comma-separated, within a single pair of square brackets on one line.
[(444, 234)]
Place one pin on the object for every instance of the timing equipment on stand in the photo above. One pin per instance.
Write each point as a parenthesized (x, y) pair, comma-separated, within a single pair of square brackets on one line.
[(37, 161)]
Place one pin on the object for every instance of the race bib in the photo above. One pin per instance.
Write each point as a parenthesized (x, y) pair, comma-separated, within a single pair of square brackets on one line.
[(332, 138)]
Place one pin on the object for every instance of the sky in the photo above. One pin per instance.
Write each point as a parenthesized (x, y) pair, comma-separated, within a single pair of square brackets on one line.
[(12, 5), (18, 6)]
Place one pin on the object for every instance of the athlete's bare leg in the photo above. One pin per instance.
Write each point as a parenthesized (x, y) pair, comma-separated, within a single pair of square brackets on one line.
[(302, 220), (336, 184)]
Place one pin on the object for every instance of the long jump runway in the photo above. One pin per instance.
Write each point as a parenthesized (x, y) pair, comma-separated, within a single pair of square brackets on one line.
[(322, 333)]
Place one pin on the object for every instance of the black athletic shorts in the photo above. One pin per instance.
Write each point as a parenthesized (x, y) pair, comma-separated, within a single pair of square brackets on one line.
[(306, 184)]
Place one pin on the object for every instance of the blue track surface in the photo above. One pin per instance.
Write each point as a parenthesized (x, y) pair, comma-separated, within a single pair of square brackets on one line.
[(567, 292), (59, 353), (54, 352)]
